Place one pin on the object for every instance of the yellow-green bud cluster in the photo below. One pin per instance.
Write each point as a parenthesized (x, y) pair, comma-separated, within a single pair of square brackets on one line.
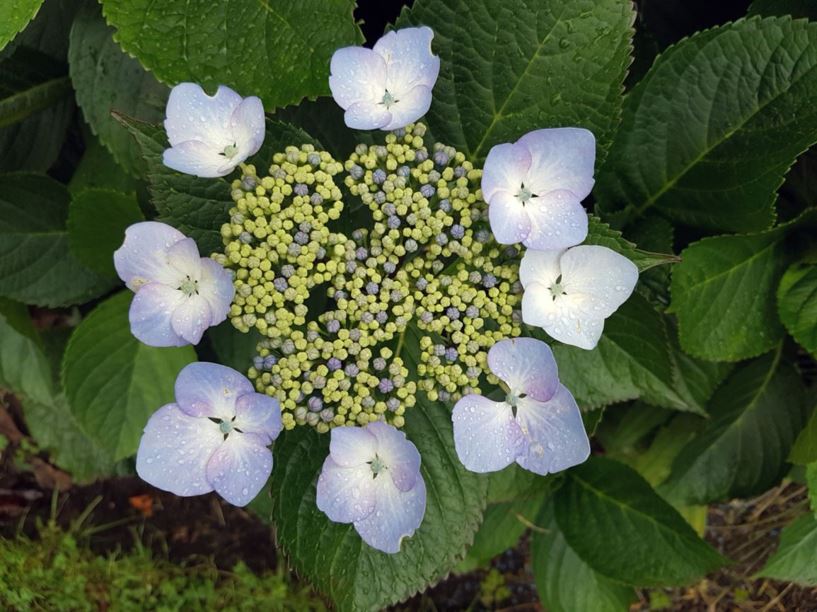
[(426, 256)]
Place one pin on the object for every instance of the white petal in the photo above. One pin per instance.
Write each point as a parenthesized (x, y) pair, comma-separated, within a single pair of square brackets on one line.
[(400, 456), (397, 515), (191, 317), (345, 494), (142, 258), (558, 221), (509, 219), (486, 435), (561, 158), (409, 61), (526, 365), (506, 168), (184, 257), (567, 319), (216, 286), (602, 278), (409, 107), (248, 126), (199, 159), (210, 390), (367, 116), (358, 75), (175, 449), (239, 468), (259, 414), (352, 446), (151, 314), (193, 115), (540, 267), (557, 439)]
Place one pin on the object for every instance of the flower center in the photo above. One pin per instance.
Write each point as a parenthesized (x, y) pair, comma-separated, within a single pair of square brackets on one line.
[(556, 289), (230, 151), (189, 286), (525, 194), (377, 466), (512, 399), (225, 427), (388, 100)]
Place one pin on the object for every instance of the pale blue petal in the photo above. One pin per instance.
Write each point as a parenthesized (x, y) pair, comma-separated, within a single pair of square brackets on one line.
[(175, 449), (526, 365), (345, 494), (557, 219), (509, 220), (399, 455), (248, 125), (352, 446), (142, 258), (409, 107), (556, 436), (239, 468), (409, 60), (151, 315), (569, 319), (486, 435), (216, 286), (191, 317), (199, 159), (505, 169), (603, 278), (259, 414), (358, 75), (210, 390), (540, 267), (561, 158), (397, 515), (193, 115), (366, 116), (185, 259)]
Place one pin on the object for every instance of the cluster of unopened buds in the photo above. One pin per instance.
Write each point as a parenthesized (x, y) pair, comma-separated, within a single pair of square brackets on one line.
[(454, 260)]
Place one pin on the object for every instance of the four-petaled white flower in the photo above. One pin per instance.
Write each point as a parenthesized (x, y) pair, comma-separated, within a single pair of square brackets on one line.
[(538, 425), (570, 293), (372, 479), (389, 86), (210, 135), (534, 188), (178, 293)]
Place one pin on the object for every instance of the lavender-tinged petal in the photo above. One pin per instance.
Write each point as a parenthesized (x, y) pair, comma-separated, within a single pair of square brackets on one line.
[(566, 319), (561, 158), (357, 75), (198, 158), (191, 317), (248, 126), (398, 514), (557, 439), (151, 315), (486, 435), (603, 278), (175, 449), (526, 365), (142, 258), (409, 60), (239, 468), (509, 219), (352, 446), (216, 286), (210, 390), (540, 267), (409, 108), (506, 169), (259, 414), (184, 257), (558, 221), (367, 116), (399, 455), (345, 494), (193, 115)]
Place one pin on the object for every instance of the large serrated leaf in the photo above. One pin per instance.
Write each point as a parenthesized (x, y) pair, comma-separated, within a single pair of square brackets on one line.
[(710, 131), (276, 49), (796, 558), (755, 418), (112, 381), (106, 79), (619, 526), (602, 234), (36, 265), (797, 304), (509, 67), (14, 16)]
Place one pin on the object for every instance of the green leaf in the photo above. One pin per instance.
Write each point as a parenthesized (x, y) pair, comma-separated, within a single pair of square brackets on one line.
[(334, 558), (742, 450), (232, 347), (796, 558), (723, 292), (36, 265), (37, 97), (24, 368), (710, 131), (796, 8), (515, 482), (97, 219), (112, 381), (564, 582), (631, 360), (277, 50), (811, 484), (97, 169), (107, 79), (804, 450), (602, 234), (797, 304), (14, 16), (619, 526), (655, 463), (509, 67)]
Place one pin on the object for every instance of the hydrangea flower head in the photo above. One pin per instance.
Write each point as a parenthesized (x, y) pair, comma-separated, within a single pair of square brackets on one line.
[(570, 293), (215, 437), (372, 479), (178, 293), (534, 188), (210, 135), (389, 86), (538, 425)]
